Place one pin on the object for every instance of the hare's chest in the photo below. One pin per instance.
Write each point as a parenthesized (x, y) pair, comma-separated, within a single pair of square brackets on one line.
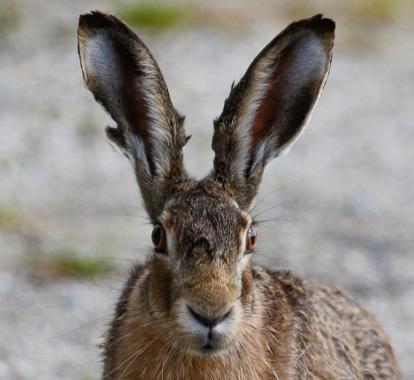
[(166, 362)]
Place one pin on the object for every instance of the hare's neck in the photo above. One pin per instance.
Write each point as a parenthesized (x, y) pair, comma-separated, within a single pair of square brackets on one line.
[(157, 356)]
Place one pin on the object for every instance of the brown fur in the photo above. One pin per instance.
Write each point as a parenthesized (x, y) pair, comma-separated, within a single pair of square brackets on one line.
[(201, 309), (298, 331)]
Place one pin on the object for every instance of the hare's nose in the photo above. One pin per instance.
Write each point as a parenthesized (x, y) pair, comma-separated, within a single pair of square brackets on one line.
[(208, 321)]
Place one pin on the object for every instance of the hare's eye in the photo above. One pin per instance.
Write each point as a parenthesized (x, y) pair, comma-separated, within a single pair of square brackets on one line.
[(158, 239), (250, 240)]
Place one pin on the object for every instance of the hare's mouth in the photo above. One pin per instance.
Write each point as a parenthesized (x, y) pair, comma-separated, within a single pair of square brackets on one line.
[(211, 349), (209, 341), (210, 346)]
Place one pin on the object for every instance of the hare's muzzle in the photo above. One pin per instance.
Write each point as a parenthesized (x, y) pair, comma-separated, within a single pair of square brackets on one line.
[(215, 329), (210, 316), (209, 333)]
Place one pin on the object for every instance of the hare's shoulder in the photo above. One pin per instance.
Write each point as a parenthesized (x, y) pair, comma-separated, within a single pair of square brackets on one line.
[(350, 331), (337, 305), (135, 274), (330, 327), (332, 300), (276, 283)]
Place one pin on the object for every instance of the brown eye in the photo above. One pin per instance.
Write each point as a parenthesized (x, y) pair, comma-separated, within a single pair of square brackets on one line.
[(158, 239), (250, 240)]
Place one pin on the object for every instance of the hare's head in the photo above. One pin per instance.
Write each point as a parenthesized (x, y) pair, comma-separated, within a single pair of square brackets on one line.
[(201, 279)]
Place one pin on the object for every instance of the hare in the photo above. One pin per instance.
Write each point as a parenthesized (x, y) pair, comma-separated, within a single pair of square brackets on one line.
[(199, 308)]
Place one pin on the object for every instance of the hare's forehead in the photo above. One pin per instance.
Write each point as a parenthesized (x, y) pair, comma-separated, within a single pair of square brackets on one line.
[(205, 216)]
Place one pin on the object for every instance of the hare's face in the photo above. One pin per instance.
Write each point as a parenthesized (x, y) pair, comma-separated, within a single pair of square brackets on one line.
[(206, 259), (201, 281)]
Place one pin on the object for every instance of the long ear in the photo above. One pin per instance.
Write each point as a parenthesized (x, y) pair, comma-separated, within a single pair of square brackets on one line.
[(123, 76), (271, 104)]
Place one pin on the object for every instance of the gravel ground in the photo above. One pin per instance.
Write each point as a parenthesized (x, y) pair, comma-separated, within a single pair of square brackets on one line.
[(341, 204)]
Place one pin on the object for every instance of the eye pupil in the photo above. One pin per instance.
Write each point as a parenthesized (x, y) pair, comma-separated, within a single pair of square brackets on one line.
[(158, 239)]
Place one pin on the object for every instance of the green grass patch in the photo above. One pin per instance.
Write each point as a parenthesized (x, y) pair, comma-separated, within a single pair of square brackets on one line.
[(374, 9), (88, 128), (67, 263), (11, 217), (50, 112), (154, 15), (9, 16), (360, 10), (85, 377)]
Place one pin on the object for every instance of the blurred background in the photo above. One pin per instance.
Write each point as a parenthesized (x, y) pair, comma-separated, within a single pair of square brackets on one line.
[(339, 207)]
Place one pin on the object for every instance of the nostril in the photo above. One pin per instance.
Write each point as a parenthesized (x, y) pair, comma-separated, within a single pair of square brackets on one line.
[(208, 321), (225, 316)]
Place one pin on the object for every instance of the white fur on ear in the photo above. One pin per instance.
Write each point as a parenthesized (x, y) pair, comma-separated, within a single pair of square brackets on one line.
[(246, 119), (125, 79), (102, 70), (101, 65), (159, 120), (101, 61), (138, 157)]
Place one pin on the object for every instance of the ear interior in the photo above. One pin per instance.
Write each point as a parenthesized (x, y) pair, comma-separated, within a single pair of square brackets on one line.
[(292, 87), (124, 77), (270, 106), (114, 72), (101, 67), (111, 71)]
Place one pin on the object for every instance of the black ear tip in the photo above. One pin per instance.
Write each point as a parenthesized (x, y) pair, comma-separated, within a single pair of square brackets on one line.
[(323, 27), (90, 19), (321, 24), (96, 20), (90, 23)]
